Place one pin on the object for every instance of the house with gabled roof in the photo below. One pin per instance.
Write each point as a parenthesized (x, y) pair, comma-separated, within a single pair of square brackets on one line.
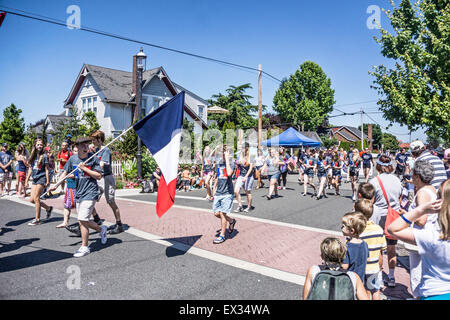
[(346, 134), (110, 94)]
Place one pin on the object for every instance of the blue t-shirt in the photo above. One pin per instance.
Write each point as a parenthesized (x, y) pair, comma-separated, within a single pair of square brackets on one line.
[(105, 156), (5, 157), (356, 258), (401, 158), (224, 179), (367, 157), (87, 187), (38, 172)]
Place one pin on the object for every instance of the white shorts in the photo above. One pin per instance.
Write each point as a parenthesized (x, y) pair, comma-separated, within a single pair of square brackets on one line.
[(107, 186), (5, 176), (84, 209)]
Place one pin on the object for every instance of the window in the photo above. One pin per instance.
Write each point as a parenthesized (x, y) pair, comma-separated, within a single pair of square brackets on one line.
[(200, 111), (94, 105), (89, 108), (144, 106), (84, 105)]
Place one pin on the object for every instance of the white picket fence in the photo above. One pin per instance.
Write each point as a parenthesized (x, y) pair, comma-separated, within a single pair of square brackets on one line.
[(116, 167)]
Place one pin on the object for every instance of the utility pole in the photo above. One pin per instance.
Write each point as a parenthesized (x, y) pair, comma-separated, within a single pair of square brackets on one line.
[(259, 109), (362, 130)]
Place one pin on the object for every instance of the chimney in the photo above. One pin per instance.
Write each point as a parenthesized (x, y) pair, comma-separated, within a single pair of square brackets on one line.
[(369, 133)]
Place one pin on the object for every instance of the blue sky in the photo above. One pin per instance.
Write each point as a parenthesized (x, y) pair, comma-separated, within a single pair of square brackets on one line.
[(40, 62)]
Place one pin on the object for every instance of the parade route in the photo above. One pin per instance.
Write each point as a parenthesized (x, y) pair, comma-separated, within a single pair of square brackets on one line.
[(276, 249)]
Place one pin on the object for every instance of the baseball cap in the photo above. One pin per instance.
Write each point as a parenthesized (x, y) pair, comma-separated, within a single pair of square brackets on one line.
[(417, 146), (82, 140), (4, 144), (447, 154)]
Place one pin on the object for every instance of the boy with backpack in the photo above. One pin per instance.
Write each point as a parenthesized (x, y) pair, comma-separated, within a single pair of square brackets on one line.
[(331, 281), (373, 235)]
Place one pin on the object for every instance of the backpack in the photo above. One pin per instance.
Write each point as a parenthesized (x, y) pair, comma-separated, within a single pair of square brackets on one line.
[(332, 285)]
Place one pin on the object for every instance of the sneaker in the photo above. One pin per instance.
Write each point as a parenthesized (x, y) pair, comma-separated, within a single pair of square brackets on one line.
[(284, 188), (117, 229), (82, 252), (219, 239), (279, 188), (304, 194), (103, 233), (248, 209), (239, 209), (391, 282), (97, 220), (49, 212), (34, 222)]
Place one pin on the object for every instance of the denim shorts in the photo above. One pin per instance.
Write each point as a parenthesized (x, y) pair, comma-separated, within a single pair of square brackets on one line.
[(275, 176), (223, 203)]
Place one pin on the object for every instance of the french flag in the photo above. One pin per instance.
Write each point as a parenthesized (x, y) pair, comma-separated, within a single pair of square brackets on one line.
[(160, 131)]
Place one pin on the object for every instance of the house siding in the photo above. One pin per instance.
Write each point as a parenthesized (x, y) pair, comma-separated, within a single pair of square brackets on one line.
[(157, 87)]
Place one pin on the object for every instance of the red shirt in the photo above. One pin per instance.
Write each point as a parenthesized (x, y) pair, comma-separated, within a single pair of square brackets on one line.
[(63, 156)]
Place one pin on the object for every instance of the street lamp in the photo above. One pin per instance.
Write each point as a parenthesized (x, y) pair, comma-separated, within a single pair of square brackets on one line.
[(140, 62)]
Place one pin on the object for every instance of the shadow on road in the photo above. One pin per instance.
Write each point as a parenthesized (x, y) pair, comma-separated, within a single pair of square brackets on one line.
[(174, 250), (31, 259), (6, 247), (16, 223)]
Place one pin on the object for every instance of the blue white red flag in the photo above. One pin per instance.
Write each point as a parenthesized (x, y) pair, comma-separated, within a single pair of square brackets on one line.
[(2, 17), (160, 131)]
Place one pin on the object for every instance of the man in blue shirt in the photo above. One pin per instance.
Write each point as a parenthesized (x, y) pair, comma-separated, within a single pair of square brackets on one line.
[(400, 160)]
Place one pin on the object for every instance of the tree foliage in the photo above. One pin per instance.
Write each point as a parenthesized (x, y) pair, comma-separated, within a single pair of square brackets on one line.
[(12, 128), (306, 97), (239, 106), (390, 142), (416, 91)]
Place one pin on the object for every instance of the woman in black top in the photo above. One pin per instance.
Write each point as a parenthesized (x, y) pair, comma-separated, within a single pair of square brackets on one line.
[(39, 171)]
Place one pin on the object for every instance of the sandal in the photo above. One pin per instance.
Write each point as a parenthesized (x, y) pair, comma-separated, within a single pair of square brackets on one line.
[(219, 239), (231, 227)]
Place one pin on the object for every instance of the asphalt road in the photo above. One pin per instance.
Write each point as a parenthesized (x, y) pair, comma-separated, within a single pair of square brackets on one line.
[(37, 263)]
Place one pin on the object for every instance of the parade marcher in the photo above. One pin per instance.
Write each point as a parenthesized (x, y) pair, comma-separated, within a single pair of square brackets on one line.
[(39, 171), (87, 192), (6, 174), (301, 167), (21, 158), (284, 157), (321, 167), (259, 163), (353, 169), (336, 167), (273, 172), (223, 194), (207, 171), (309, 163), (63, 155), (446, 161), (245, 179), (367, 162), (401, 160), (70, 193), (107, 185)]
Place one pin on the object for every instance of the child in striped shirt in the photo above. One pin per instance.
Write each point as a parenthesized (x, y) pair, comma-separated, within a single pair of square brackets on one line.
[(373, 235)]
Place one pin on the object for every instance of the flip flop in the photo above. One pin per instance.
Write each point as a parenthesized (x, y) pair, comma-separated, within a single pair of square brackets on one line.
[(231, 227)]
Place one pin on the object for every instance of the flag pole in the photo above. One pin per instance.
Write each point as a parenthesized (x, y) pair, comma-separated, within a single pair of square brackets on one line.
[(65, 177)]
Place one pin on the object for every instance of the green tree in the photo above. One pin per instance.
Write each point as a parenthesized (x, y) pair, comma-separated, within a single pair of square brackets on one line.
[(390, 142), (88, 124), (306, 98), (416, 90), (239, 106), (12, 128)]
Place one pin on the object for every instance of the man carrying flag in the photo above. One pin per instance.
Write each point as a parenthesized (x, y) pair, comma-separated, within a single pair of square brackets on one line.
[(160, 131)]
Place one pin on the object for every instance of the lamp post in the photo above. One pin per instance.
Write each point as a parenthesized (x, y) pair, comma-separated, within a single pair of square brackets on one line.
[(140, 61)]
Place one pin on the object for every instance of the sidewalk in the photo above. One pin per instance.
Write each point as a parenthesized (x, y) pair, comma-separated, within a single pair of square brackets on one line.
[(267, 244)]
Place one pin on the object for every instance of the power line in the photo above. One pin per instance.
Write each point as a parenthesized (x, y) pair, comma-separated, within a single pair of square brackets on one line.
[(116, 36), (394, 133)]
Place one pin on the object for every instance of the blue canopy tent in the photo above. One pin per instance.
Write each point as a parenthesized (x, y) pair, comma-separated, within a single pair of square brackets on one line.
[(291, 138)]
